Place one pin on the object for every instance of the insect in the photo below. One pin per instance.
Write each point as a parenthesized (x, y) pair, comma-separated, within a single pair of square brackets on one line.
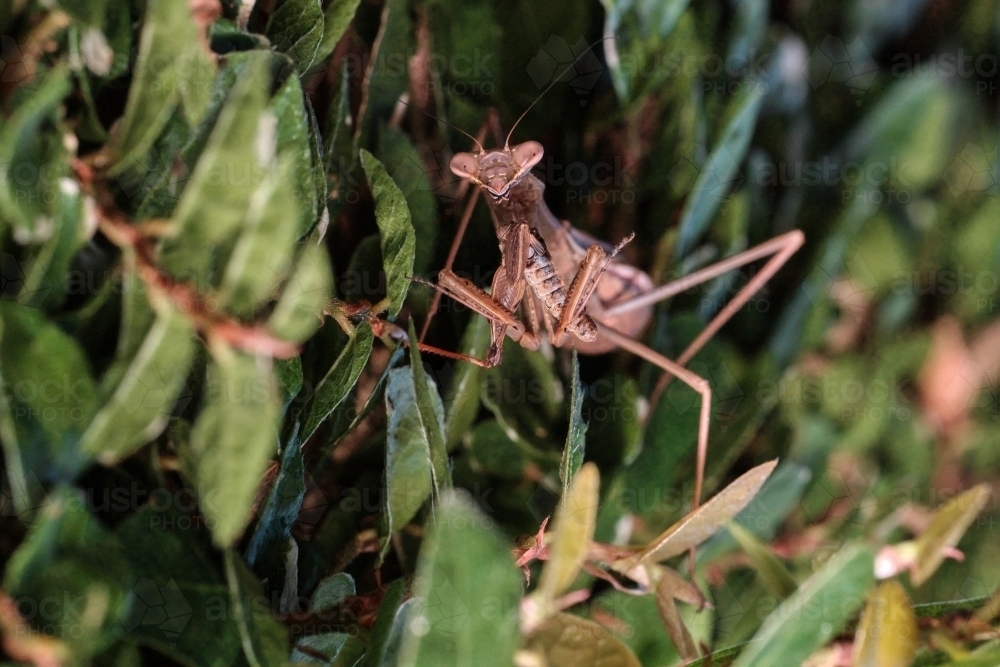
[(579, 291)]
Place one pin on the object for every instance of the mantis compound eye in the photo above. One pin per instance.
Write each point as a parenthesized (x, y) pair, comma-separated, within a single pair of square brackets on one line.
[(527, 155), (465, 165)]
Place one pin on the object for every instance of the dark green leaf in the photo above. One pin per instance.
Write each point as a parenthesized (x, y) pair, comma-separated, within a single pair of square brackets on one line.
[(405, 164), (430, 410), (233, 439), (407, 461), (340, 379), (181, 606), (265, 553), (295, 140), (224, 181), (49, 393), (395, 229), (461, 399), (296, 28), (384, 623), (338, 16), (137, 410), (305, 296), (716, 178), (74, 575), (576, 438), (172, 68), (771, 571), (264, 639), (24, 149)]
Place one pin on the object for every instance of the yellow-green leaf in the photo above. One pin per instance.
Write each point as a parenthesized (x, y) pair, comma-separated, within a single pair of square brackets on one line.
[(570, 640), (572, 533), (945, 530), (699, 525), (887, 632)]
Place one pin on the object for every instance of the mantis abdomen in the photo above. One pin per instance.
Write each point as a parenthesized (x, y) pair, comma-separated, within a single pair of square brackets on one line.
[(541, 275)]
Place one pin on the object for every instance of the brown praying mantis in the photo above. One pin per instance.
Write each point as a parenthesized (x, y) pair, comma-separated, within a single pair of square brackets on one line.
[(579, 292)]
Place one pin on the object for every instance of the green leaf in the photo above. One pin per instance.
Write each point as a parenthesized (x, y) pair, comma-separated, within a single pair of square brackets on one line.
[(641, 30), (716, 178), (49, 394), (74, 573), (340, 152), (407, 460), (47, 269), (337, 17), (290, 379), (296, 28), (469, 593), (217, 198), (137, 410), (404, 163), (772, 572), (945, 530), (340, 379), (393, 44), (576, 438), (25, 149), (887, 632), (171, 68), (896, 135), (815, 613), (395, 229), (306, 294), (493, 452), (430, 409), (233, 439), (263, 252), (571, 640), (294, 140), (525, 394)]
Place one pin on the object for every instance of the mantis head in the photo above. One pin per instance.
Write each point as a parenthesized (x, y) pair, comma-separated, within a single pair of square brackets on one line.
[(498, 171)]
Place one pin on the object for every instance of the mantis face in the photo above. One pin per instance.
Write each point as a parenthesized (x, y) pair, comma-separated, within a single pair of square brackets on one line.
[(498, 171)]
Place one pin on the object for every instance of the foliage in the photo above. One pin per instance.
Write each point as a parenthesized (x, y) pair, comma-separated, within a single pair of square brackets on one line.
[(222, 444)]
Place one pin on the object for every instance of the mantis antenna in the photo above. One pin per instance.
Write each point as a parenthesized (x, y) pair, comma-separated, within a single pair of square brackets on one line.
[(506, 143), (440, 120)]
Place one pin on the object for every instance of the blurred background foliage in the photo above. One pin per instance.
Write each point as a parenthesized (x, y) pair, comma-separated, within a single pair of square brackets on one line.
[(197, 472)]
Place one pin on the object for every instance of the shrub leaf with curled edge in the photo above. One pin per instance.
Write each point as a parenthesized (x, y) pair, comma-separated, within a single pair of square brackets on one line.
[(700, 524)]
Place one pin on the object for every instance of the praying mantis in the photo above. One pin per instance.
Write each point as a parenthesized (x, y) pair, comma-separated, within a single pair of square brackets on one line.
[(579, 292)]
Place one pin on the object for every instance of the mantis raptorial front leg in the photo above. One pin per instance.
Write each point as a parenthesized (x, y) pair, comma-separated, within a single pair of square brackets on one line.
[(522, 246)]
